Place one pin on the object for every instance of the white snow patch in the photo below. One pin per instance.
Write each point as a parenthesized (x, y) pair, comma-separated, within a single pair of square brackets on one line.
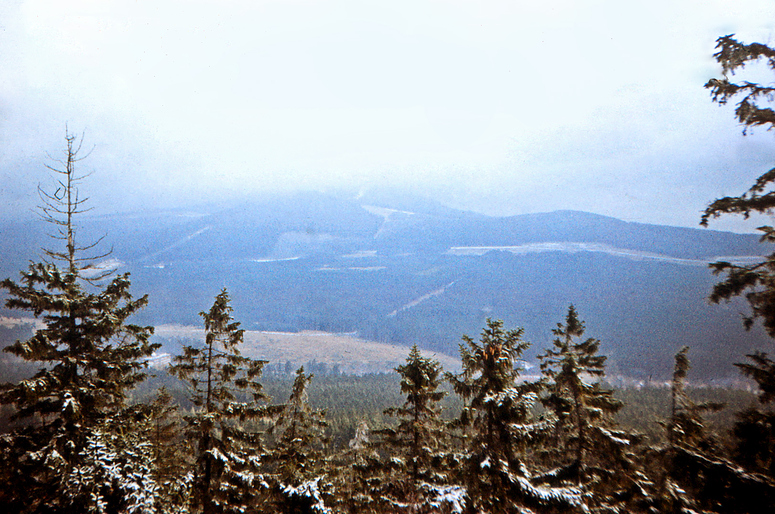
[(309, 490), (284, 259), (385, 213), (352, 268), (361, 254), (612, 437), (568, 495), (571, 247), (218, 455), (453, 495)]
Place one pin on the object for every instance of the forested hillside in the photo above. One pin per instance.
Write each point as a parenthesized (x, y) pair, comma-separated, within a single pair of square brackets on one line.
[(424, 276)]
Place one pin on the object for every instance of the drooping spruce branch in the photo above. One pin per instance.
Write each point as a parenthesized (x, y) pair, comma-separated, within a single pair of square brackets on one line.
[(734, 56), (756, 282)]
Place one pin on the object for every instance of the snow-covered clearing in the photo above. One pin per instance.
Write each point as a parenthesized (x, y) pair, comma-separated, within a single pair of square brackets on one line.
[(284, 259), (570, 247), (352, 268)]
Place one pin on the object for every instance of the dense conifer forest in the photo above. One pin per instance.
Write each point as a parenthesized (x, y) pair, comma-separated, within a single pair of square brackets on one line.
[(87, 427)]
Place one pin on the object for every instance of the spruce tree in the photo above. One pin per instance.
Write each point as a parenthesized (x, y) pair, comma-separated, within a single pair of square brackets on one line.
[(417, 463), (169, 452), (591, 450), (296, 460), (499, 424), (88, 355), (357, 474), (227, 475), (693, 472)]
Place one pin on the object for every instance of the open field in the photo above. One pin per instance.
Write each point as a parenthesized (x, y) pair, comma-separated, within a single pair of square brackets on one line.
[(343, 352)]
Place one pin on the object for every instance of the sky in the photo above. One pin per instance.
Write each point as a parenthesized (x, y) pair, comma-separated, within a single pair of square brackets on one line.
[(501, 107)]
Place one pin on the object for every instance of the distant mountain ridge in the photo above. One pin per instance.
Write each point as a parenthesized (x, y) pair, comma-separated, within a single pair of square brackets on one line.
[(411, 271)]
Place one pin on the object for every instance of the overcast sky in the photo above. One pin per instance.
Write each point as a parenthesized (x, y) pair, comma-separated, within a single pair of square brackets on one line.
[(503, 107)]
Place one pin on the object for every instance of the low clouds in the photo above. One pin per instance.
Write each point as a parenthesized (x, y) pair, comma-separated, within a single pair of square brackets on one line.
[(498, 107)]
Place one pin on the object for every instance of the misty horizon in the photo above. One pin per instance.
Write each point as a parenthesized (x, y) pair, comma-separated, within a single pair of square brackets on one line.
[(500, 109)]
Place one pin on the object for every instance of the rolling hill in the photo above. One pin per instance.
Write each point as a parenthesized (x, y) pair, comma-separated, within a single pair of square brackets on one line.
[(402, 270)]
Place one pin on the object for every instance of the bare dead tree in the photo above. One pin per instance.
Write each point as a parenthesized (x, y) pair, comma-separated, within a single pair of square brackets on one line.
[(60, 207)]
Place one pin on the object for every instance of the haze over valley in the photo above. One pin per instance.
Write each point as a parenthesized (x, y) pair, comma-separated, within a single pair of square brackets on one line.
[(400, 270)]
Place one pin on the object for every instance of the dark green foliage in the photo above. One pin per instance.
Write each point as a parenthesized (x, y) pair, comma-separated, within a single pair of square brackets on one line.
[(762, 370), (755, 281), (499, 427), (755, 429), (417, 454), (88, 356), (755, 440), (751, 110), (692, 472), (296, 460), (357, 474), (164, 435), (226, 470), (588, 447), (686, 426), (169, 451)]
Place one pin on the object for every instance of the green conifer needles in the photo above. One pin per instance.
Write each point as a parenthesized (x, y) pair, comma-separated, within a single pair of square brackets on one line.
[(499, 423), (227, 475), (89, 356)]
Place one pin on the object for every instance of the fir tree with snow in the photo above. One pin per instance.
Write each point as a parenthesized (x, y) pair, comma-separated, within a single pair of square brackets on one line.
[(296, 460), (588, 449), (499, 424), (88, 353), (227, 474), (418, 461)]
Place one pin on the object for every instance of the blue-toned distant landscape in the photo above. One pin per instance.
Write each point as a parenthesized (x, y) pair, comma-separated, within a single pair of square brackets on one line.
[(405, 270)]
